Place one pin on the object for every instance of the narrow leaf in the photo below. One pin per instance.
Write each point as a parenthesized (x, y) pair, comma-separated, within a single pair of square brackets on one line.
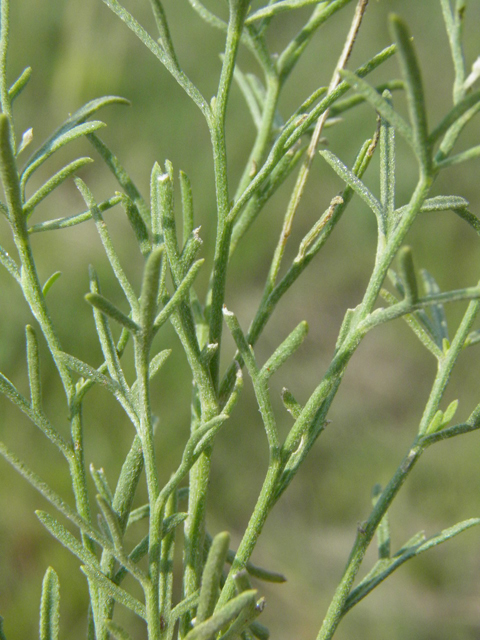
[(212, 574), (159, 53), (53, 183), (68, 540), (450, 412), (190, 250), (50, 281), (249, 96), (381, 105), (417, 325), (85, 370), (470, 100), (439, 319), (443, 203), (293, 407), (470, 154), (187, 206), (111, 518), (383, 529), (164, 31), (413, 548), (117, 631), (109, 309), (259, 630), (19, 85), (114, 591), (70, 124), (112, 358), (121, 175), (435, 423), (33, 361), (112, 255), (157, 362), (407, 274), (414, 90), (285, 350), (9, 175), (207, 630), (10, 265), (356, 184), (55, 143), (179, 295), (150, 288), (50, 606), (101, 483), (387, 164), (71, 221), (138, 225)]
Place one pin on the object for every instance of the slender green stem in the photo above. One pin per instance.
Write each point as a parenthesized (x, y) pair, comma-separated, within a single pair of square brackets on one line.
[(364, 537), (4, 94)]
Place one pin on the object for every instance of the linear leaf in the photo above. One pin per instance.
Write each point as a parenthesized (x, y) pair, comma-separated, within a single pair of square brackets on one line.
[(117, 631), (413, 548), (9, 263), (160, 54), (356, 184), (109, 309), (85, 370), (101, 483), (9, 174), (406, 270), (249, 97), (107, 243), (212, 574), (55, 143), (208, 629), (121, 175), (341, 106), (113, 524), (417, 326), (279, 7), (68, 540), (33, 361), (470, 100), (470, 154), (55, 499), (180, 294), (112, 357), (414, 90), (79, 117), (444, 203), (50, 282), (381, 105), (187, 205), (115, 592), (387, 164), (50, 606), (19, 85), (78, 218), (138, 225), (285, 350), (53, 183), (293, 407), (438, 312), (150, 288)]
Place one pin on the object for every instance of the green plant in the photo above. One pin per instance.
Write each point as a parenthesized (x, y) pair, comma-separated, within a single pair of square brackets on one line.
[(218, 602)]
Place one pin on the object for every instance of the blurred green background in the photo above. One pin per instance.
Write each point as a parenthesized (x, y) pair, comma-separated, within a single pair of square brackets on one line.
[(80, 51)]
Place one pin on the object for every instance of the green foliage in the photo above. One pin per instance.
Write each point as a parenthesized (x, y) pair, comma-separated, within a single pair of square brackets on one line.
[(218, 602)]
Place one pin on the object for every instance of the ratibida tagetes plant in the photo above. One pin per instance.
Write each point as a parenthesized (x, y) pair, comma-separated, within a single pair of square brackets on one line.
[(218, 593)]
